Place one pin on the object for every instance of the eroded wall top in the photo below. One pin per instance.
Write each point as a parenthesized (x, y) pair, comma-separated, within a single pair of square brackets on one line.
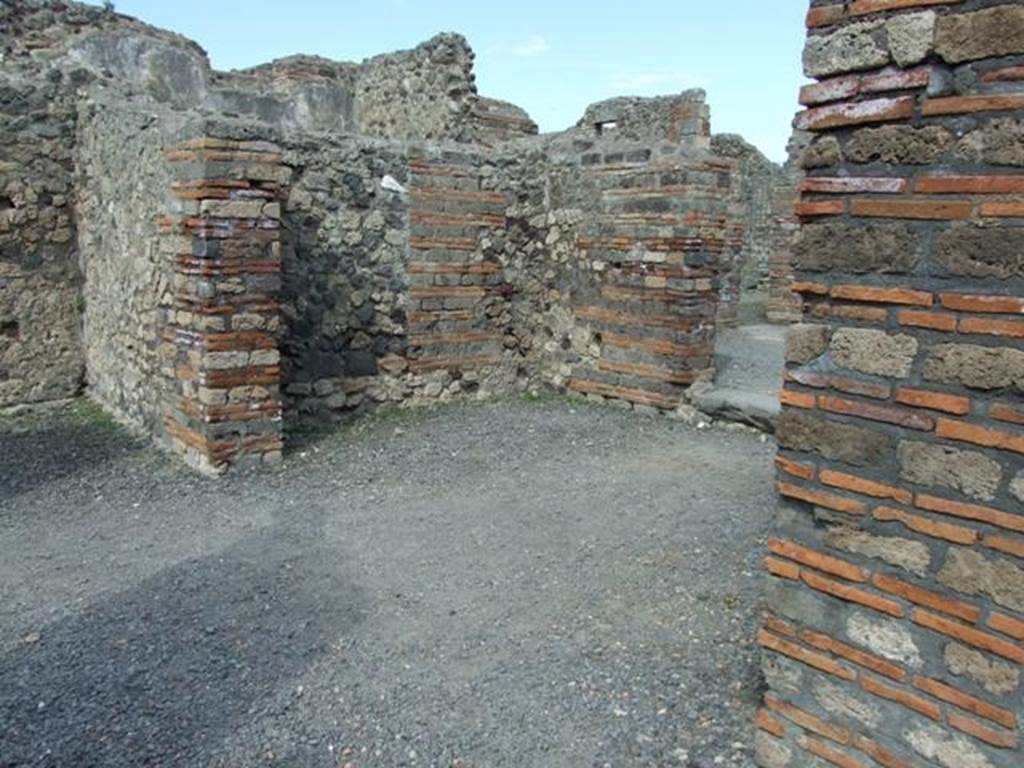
[(428, 92)]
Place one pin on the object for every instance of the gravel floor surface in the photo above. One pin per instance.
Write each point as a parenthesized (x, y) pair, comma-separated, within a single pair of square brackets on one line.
[(547, 584)]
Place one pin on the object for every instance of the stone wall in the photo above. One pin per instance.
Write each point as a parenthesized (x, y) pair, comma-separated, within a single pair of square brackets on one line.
[(681, 119), (498, 121), (297, 92), (41, 354), (123, 188), (426, 93), (344, 250), (896, 592), (324, 237)]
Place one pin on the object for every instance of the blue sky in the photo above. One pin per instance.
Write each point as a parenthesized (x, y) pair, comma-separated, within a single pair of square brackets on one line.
[(551, 58)]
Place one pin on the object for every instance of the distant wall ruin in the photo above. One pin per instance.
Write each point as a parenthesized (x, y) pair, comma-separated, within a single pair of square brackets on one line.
[(212, 253), (895, 635)]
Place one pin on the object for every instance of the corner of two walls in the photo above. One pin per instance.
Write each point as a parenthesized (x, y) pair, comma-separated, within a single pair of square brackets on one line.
[(895, 635), (417, 273), (394, 291), (219, 345), (179, 235)]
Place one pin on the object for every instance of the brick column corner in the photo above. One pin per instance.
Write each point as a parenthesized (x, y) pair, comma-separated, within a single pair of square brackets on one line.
[(220, 341)]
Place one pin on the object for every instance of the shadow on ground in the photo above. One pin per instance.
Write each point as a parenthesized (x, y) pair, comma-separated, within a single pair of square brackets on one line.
[(499, 585), (162, 673), (39, 449)]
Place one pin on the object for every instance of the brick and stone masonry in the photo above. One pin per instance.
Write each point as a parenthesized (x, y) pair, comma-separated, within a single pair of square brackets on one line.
[(765, 191), (784, 305), (220, 342), (651, 259), (426, 246), (210, 253), (457, 291), (894, 634)]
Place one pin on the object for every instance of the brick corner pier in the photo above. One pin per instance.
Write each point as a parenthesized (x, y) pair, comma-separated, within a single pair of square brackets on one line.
[(219, 346), (895, 631)]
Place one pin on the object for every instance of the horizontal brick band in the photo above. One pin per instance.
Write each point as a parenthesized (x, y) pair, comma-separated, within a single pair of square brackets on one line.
[(463, 363), (851, 594), (971, 512), (652, 372), (909, 700), (969, 635), (960, 105), (946, 531), (806, 720), (815, 559), (882, 295), (855, 113), (855, 655), (822, 499), (927, 598), (639, 396), (936, 401)]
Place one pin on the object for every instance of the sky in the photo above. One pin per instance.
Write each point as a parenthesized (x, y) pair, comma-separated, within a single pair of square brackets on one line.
[(552, 58)]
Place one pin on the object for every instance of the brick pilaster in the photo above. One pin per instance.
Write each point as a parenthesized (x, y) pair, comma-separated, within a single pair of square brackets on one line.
[(220, 346)]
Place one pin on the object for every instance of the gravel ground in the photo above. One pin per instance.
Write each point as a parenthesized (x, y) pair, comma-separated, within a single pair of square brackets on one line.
[(511, 584)]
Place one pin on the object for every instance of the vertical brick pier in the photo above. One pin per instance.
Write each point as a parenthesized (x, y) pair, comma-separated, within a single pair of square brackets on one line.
[(895, 635), (660, 229), (219, 346), (456, 290)]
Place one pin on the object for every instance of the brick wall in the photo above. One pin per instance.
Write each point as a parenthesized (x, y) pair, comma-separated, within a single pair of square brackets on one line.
[(458, 293), (646, 280), (220, 341), (895, 632)]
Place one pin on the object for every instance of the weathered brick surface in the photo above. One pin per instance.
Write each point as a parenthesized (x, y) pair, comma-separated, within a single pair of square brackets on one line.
[(910, 254), (657, 244), (220, 333)]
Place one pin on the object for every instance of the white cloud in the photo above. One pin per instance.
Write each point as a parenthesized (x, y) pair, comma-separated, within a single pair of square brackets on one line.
[(534, 46), (641, 82)]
